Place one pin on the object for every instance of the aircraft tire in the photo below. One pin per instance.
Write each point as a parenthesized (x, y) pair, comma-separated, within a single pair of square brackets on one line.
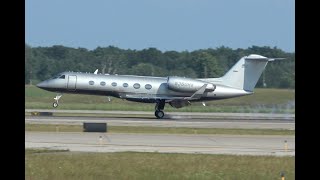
[(55, 104), (159, 114)]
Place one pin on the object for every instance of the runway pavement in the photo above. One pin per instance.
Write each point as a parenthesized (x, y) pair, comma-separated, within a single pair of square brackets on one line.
[(169, 143), (178, 115), (182, 121)]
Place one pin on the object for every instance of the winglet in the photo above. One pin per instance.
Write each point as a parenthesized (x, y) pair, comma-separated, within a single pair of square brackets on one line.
[(96, 72)]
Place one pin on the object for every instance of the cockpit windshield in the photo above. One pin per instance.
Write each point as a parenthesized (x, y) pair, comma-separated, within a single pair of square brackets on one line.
[(59, 76), (62, 77)]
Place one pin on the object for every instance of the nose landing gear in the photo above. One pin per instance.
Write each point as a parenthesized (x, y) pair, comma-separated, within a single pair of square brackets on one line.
[(56, 102), (159, 109)]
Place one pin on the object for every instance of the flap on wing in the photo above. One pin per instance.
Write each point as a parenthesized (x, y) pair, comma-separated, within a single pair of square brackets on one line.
[(145, 96), (198, 94), (153, 98)]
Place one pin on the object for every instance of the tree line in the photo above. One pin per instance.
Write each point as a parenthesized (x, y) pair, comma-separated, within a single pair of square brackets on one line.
[(43, 62)]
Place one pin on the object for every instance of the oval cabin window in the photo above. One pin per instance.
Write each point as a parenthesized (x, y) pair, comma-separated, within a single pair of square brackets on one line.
[(136, 85), (103, 83), (148, 86)]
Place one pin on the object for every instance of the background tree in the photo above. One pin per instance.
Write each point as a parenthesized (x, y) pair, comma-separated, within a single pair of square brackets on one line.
[(44, 62)]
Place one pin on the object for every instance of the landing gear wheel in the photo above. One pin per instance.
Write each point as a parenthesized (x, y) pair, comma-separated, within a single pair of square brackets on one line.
[(159, 108), (55, 104), (159, 114), (56, 100)]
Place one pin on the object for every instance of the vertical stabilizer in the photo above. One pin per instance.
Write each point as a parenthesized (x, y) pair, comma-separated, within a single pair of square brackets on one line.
[(246, 72)]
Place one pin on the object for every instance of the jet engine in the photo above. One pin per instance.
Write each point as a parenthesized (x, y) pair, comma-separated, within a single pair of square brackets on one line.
[(179, 103), (181, 84)]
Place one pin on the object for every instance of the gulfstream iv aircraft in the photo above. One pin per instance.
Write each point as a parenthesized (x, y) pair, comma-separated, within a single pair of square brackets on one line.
[(240, 80)]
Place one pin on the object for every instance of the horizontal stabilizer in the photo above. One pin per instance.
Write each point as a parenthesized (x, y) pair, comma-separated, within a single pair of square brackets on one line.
[(258, 57), (273, 59)]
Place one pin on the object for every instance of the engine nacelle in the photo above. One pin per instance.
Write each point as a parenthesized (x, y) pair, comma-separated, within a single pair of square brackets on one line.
[(179, 103), (181, 84)]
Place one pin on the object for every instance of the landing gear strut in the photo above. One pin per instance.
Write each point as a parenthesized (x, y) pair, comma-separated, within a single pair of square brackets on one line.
[(159, 109), (56, 102)]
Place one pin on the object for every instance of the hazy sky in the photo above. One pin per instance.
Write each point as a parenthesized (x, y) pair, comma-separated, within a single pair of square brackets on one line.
[(164, 24)]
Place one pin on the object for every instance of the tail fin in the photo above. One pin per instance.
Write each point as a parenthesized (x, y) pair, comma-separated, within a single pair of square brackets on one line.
[(246, 72)]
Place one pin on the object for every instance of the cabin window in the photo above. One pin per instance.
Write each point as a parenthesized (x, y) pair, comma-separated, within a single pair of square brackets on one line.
[(91, 82), (102, 83), (125, 85), (114, 84), (136, 85), (62, 77), (148, 86)]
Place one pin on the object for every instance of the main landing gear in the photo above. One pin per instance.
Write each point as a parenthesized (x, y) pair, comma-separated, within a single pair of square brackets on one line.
[(56, 102), (159, 109)]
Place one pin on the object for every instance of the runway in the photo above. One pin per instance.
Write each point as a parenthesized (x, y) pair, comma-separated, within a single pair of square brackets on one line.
[(167, 143), (182, 121), (177, 115)]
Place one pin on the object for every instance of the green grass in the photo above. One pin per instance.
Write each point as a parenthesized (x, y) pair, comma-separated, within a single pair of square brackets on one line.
[(130, 165), (262, 101), (160, 130)]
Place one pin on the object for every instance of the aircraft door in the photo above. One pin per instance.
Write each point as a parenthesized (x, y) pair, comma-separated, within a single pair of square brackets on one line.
[(72, 81)]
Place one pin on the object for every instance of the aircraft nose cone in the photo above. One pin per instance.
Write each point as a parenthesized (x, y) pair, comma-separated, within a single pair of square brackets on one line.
[(42, 84)]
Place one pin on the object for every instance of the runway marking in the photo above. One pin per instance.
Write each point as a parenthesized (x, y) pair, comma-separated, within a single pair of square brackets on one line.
[(196, 123)]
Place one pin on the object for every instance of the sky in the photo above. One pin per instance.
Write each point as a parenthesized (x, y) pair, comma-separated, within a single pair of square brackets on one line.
[(167, 25)]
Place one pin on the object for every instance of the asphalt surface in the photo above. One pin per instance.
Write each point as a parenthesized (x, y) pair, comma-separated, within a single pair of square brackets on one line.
[(168, 143), (181, 121), (177, 115)]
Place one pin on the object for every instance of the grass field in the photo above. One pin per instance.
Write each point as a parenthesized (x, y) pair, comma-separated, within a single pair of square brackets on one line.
[(263, 101), (166, 130), (41, 165)]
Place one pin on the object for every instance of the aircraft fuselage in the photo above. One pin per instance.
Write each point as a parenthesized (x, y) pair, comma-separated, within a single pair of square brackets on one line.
[(240, 80), (133, 88)]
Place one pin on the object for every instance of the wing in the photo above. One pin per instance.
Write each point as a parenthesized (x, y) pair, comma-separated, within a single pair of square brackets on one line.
[(152, 98)]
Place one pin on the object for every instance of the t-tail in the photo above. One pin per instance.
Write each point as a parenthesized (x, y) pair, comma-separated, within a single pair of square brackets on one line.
[(246, 72)]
